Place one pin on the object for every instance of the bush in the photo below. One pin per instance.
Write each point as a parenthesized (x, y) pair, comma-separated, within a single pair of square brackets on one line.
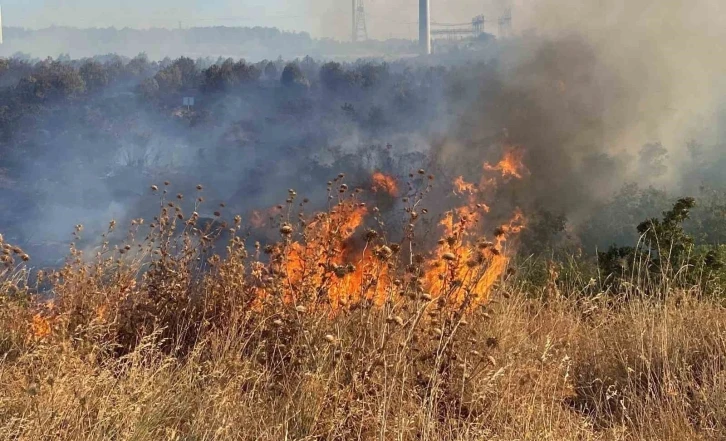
[(665, 255)]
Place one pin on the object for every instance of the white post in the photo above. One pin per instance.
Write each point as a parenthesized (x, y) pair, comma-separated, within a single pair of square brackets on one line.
[(424, 26)]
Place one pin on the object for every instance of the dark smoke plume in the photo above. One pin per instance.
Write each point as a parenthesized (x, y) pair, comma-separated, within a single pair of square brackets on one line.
[(604, 93), (598, 97)]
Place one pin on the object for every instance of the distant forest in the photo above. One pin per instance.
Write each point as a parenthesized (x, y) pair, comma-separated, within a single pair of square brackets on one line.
[(248, 42), (82, 139)]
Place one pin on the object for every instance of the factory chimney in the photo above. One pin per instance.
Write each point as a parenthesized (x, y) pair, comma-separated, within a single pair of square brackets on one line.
[(424, 26), (1, 25)]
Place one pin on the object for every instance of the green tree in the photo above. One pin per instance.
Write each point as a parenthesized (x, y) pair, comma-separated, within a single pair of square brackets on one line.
[(292, 75), (94, 75), (667, 253)]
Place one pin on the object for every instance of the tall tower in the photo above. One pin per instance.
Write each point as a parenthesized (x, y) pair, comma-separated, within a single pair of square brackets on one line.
[(360, 31), (424, 26), (1, 25), (505, 24), (477, 25)]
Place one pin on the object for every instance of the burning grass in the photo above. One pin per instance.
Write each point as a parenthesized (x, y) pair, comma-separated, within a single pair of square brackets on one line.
[(339, 330)]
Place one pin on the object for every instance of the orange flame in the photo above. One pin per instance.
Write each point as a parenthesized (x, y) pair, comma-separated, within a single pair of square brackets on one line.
[(384, 183), (322, 264), (40, 327), (465, 270), (461, 186), (319, 263), (511, 166)]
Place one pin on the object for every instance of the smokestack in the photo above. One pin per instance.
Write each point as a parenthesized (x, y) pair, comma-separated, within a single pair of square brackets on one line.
[(424, 26), (1, 25)]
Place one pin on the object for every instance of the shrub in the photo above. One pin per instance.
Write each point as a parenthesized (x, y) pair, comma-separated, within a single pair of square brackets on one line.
[(665, 255)]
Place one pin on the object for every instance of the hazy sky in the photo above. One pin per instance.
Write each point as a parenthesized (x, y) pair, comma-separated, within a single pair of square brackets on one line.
[(147, 13), (322, 18), (386, 18)]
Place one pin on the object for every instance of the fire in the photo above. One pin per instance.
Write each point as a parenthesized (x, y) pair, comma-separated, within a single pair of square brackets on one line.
[(515, 226), (466, 265), (384, 183), (324, 260), (461, 186), (511, 166), (321, 261), (40, 327), (324, 264)]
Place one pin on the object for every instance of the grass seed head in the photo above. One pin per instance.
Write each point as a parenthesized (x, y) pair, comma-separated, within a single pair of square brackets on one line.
[(286, 229)]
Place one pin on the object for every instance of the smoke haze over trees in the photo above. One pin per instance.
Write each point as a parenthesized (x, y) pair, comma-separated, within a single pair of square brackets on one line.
[(246, 233), (81, 139)]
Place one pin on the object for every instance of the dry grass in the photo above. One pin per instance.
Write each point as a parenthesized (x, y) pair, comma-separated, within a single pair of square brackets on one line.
[(161, 338)]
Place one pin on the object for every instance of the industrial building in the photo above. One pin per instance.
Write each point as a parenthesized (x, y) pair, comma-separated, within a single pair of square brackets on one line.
[(443, 31)]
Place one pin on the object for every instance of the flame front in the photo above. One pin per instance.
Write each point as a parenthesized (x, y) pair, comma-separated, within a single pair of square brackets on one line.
[(321, 261), (512, 165), (324, 264), (466, 265), (328, 262), (385, 184)]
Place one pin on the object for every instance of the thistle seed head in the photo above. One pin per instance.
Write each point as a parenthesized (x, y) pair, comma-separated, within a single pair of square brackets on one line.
[(286, 229)]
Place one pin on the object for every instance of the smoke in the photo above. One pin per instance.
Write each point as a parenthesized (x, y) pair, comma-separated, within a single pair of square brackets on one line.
[(600, 94), (92, 158), (597, 96)]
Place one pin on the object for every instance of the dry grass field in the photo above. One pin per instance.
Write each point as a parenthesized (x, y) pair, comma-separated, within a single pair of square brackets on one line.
[(335, 332)]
